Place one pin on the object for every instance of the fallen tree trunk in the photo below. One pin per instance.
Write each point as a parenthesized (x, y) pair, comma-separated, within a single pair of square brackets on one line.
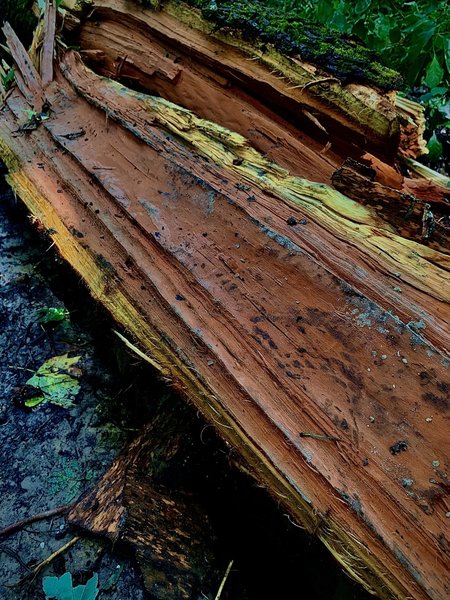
[(303, 324)]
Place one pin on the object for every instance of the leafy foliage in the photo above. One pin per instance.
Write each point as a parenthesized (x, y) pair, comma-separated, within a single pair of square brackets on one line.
[(291, 33), (55, 381), (6, 76), (61, 588), (410, 37), (52, 315)]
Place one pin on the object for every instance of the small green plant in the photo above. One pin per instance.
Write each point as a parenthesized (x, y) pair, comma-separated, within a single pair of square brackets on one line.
[(52, 315), (61, 588), (8, 78), (6, 75), (56, 381)]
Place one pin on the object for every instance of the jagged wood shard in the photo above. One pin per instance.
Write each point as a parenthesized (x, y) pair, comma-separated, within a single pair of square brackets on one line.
[(194, 196)]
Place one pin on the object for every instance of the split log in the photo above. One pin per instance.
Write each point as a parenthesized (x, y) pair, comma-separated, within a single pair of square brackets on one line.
[(299, 321), (186, 54)]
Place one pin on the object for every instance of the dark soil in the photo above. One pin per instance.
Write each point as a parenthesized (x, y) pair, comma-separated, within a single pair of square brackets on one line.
[(50, 455)]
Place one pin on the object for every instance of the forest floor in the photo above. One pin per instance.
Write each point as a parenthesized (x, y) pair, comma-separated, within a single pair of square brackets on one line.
[(50, 454)]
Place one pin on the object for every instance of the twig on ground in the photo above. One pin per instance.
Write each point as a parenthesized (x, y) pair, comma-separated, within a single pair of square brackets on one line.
[(13, 554), (38, 517), (40, 566), (224, 580)]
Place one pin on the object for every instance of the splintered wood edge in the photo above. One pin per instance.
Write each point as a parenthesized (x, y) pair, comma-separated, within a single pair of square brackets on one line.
[(360, 108), (362, 565)]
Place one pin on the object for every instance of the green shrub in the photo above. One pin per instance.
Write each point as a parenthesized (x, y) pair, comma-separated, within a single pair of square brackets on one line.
[(412, 37)]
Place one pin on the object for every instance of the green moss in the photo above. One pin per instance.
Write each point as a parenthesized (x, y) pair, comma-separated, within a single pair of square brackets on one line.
[(341, 56)]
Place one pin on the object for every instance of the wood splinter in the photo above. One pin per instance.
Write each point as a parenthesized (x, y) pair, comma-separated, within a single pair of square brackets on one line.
[(318, 436)]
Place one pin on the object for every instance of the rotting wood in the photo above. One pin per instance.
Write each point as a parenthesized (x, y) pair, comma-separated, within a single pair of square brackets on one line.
[(166, 530), (404, 211), (276, 304), (355, 114), (27, 78), (427, 185)]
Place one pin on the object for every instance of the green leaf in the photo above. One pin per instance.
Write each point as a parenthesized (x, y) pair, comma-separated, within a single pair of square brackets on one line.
[(88, 591), (421, 31), (35, 401), (56, 380), (434, 73), (325, 11), (413, 67), (58, 587), (61, 588), (362, 6), (439, 91), (445, 110), (434, 149), (382, 27), (395, 34), (7, 76), (339, 21), (52, 315), (447, 54)]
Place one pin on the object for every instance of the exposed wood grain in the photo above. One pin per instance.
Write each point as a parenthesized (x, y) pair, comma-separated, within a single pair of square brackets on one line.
[(28, 78), (404, 211), (359, 115), (424, 188), (48, 46), (279, 306), (330, 213)]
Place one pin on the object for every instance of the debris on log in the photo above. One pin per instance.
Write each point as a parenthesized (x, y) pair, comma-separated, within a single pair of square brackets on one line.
[(185, 172), (412, 217)]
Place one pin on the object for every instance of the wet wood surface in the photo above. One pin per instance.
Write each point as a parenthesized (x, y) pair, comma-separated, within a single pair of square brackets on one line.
[(300, 322)]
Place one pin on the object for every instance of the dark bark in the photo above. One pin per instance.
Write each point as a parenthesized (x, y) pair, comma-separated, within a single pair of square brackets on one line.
[(169, 534)]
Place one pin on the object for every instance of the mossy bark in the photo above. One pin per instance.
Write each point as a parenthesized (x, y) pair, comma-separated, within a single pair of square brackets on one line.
[(344, 57)]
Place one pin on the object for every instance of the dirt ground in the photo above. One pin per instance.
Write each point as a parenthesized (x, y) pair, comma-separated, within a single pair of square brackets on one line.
[(50, 455)]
